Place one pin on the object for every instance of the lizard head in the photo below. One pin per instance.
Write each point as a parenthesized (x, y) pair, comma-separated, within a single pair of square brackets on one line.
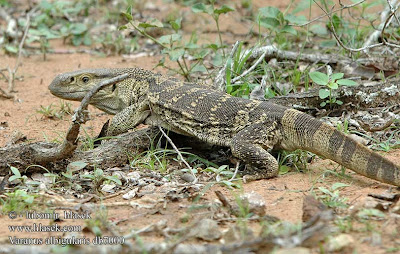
[(111, 99), (75, 85)]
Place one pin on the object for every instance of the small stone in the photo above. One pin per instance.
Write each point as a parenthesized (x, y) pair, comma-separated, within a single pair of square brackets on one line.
[(396, 208), (134, 176), (373, 203), (235, 234), (108, 188), (387, 196), (42, 187), (312, 207), (187, 177), (376, 239), (151, 6), (297, 250), (206, 229), (340, 242), (41, 178), (130, 194), (255, 203), (148, 189)]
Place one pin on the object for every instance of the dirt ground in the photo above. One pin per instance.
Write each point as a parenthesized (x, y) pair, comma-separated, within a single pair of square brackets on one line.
[(283, 195)]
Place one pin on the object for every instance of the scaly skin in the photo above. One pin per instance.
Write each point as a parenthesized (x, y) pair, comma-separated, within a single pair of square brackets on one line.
[(250, 128)]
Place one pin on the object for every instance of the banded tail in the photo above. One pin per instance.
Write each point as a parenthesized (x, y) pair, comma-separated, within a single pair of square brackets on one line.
[(308, 133)]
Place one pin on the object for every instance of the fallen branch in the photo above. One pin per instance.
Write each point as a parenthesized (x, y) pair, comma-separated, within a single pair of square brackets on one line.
[(362, 97), (112, 153), (271, 51)]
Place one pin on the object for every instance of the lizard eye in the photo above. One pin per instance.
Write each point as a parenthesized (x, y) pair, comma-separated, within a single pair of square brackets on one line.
[(113, 88), (85, 79)]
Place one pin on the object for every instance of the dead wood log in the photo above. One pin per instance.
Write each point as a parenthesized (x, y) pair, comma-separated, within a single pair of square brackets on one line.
[(111, 154), (362, 97)]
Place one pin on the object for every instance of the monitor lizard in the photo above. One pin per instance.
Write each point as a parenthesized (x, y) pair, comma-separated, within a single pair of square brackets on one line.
[(250, 128)]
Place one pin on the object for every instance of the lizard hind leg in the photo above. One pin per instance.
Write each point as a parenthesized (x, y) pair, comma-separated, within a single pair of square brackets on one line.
[(250, 144)]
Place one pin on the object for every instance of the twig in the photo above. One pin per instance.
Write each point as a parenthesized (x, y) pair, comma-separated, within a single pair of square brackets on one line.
[(179, 154), (273, 51), (219, 82), (394, 9), (384, 22), (235, 173), (358, 49), (369, 128), (223, 199), (261, 58), (333, 11)]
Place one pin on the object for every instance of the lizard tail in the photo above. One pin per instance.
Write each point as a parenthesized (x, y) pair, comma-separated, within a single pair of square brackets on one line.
[(308, 133)]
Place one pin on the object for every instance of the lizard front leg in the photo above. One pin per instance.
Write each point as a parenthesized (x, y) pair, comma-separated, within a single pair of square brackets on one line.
[(250, 145), (128, 118)]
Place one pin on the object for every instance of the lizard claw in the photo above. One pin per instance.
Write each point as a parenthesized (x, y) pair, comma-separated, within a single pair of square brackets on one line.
[(81, 116)]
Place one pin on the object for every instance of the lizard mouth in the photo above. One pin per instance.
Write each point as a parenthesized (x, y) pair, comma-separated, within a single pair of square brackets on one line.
[(70, 95)]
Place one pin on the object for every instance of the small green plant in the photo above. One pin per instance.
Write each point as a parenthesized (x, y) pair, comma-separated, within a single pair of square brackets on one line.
[(18, 201), (44, 46), (98, 178), (234, 67), (4, 3), (17, 175), (330, 84), (60, 13), (56, 111), (345, 224), (389, 144), (331, 197), (368, 213), (223, 174), (153, 159), (214, 12), (280, 228), (298, 158), (48, 112), (343, 127), (279, 23), (89, 142)]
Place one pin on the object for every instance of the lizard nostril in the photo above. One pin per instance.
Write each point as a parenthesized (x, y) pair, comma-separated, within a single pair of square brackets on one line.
[(72, 79)]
